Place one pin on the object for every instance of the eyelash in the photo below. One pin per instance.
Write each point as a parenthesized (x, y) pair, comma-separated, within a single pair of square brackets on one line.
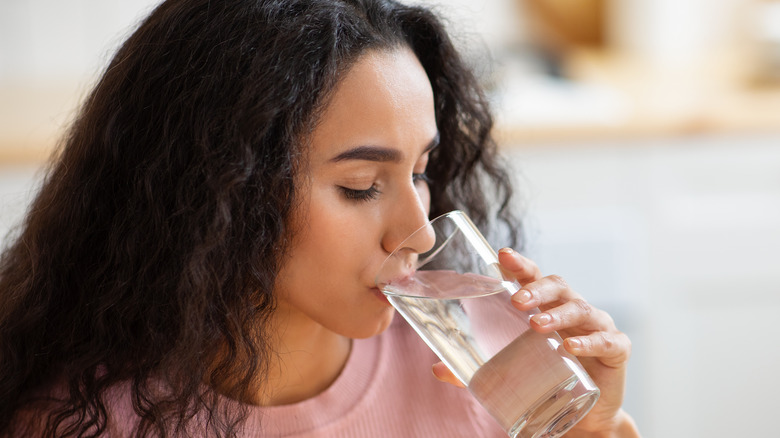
[(360, 195), (372, 192)]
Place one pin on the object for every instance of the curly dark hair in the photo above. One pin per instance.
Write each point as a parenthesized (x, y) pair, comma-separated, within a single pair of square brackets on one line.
[(150, 253)]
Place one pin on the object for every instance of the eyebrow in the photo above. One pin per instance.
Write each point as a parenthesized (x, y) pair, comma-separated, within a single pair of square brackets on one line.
[(379, 153)]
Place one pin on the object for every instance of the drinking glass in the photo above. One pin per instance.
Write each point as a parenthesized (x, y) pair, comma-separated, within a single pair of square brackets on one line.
[(445, 280)]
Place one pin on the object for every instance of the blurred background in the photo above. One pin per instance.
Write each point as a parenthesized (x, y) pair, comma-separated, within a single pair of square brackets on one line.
[(645, 141)]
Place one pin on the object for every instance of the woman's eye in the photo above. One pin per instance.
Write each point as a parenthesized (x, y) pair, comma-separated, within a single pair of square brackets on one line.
[(360, 195)]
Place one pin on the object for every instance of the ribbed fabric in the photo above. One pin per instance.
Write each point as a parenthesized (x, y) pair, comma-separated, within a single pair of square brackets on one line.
[(385, 390)]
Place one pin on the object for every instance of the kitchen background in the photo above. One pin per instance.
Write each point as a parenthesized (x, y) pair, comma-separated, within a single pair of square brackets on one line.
[(645, 138)]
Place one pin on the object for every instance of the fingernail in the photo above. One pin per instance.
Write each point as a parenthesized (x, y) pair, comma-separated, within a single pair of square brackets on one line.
[(542, 319), (439, 370), (523, 296), (574, 344), (506, 250)]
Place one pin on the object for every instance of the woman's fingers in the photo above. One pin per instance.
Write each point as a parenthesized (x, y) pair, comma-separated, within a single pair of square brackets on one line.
[(611, 348), (441, 372), (588, 333), (544, 292), (574, 313), (521, 268)]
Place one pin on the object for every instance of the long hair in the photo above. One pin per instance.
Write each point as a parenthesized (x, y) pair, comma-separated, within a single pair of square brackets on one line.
[(149, 255)]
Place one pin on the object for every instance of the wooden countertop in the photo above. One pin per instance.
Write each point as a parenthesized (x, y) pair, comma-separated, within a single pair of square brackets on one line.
[(718, 95)]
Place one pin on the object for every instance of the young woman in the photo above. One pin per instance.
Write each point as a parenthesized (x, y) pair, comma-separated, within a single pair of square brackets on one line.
[(200, 259)]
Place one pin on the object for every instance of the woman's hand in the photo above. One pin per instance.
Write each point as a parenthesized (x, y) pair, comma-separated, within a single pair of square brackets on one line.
[(588, 333)]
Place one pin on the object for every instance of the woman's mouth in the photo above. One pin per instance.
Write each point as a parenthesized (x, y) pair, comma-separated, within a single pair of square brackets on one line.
[(378, 293)]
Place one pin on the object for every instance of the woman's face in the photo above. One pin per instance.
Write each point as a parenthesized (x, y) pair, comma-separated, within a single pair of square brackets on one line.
[(362, 194)]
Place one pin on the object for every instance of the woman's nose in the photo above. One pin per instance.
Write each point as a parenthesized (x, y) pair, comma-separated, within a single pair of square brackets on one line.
[(409, 227)]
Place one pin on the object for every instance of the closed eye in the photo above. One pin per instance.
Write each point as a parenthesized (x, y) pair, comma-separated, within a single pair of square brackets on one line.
[(360, 195)]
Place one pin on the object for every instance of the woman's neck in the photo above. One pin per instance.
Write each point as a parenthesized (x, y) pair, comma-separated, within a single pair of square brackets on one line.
[(304, 357), (307, 358)]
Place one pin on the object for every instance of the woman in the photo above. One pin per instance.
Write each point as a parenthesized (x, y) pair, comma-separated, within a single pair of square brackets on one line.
[(200, 258)]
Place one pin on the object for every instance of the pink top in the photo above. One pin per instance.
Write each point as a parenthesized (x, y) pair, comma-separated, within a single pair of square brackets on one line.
[(386, 389)]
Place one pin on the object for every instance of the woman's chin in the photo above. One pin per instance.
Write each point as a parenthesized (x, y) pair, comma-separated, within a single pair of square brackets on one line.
[(375, 327)]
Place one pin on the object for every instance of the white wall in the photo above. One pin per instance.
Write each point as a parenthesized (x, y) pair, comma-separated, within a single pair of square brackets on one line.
[(17, 187), (51, 52), (679, 239), (45, 40)]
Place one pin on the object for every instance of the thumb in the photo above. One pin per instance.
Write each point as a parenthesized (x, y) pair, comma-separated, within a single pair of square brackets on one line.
[(522, 268), (443, 374)]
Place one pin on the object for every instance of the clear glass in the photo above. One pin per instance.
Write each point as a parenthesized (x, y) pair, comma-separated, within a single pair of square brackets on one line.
[(446, 282)]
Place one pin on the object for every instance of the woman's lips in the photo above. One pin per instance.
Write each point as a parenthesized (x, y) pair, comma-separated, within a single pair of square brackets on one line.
[(378, 293)]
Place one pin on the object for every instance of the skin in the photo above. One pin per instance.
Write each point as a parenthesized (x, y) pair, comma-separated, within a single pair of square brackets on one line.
[(363, 194)]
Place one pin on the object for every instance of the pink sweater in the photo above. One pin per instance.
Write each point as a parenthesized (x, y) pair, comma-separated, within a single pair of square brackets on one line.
[(385, 390)]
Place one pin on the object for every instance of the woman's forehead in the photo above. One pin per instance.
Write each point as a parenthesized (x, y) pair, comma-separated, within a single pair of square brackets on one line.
[(385, 99)]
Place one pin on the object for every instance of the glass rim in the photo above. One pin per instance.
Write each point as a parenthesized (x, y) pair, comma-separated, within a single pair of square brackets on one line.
[(462, 228), (432, 251)]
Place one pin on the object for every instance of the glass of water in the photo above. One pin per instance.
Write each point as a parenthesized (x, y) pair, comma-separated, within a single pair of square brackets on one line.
[(449, 287)]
